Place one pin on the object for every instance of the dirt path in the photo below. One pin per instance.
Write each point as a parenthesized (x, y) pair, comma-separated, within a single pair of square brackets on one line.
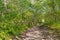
[(38, 33)]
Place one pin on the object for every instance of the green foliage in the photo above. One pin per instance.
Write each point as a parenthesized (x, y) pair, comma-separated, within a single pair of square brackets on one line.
[(56, 26), (18, 15), (14, 22)]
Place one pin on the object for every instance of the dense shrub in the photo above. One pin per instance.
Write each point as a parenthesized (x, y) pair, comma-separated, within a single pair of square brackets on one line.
[(18, 15)]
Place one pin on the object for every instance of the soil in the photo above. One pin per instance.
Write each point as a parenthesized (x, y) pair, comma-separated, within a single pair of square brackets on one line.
[(38, 33)]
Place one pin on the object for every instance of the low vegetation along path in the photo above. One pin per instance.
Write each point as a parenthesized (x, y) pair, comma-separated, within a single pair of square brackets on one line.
[(39, 33)]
